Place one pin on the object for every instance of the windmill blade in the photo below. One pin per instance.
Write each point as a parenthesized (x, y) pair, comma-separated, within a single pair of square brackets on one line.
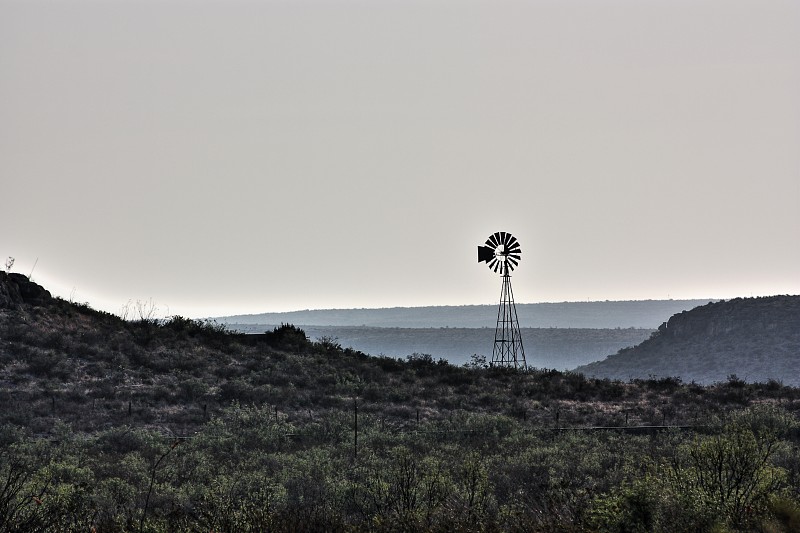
[(497, 239), (513, 248), (504, 237), (514, 262), (492, 263), (497, 266), (491, 241), (512, 241)]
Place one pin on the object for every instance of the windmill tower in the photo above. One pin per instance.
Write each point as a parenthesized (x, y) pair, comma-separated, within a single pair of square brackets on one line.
[(501, 253)]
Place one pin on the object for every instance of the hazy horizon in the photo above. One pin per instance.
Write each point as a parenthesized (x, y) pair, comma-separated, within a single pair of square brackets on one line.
[(486, 303), (242, 156)]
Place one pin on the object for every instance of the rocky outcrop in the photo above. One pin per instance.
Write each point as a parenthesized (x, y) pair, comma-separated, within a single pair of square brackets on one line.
[(756, 339), (16, 289)]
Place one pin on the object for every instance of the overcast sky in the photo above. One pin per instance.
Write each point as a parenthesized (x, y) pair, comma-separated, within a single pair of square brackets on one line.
[(238, 156)]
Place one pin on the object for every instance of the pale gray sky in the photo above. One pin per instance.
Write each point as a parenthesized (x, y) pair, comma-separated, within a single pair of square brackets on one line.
[(238, 156)]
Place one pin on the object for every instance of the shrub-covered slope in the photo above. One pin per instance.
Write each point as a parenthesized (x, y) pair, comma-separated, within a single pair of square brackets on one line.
[(756, 339)]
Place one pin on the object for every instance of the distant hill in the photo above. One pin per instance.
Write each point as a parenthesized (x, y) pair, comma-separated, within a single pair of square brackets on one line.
[(554, 348), (643, 314), (756, 339)]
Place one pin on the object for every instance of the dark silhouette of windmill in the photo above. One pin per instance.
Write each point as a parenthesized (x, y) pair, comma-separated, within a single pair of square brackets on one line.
[(502, 253)]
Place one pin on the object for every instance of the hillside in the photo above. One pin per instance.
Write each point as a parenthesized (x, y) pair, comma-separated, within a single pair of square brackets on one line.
[(645, 314), (180, 426), (756, 339)]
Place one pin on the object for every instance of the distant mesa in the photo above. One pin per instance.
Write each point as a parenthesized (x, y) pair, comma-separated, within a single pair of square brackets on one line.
[(647, 314), (753, 339)]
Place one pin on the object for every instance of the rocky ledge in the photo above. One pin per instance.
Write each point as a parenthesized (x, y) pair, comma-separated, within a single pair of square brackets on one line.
[(16, 289)]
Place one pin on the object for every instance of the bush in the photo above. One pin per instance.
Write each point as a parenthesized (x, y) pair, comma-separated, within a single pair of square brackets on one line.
[(287, 337)]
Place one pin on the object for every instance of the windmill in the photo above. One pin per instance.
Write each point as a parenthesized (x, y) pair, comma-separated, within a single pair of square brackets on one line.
[(501, 253)]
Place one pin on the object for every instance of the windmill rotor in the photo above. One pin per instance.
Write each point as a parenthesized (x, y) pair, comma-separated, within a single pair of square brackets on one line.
[(501, 252)]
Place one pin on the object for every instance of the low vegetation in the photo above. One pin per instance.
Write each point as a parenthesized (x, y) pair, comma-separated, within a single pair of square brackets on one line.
[(134, 426)]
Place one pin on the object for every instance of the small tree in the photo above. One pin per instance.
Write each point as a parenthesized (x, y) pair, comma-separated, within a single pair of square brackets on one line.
[(730, 474)]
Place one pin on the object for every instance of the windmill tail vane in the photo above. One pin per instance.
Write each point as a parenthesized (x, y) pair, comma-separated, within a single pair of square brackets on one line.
[(501, 252)]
